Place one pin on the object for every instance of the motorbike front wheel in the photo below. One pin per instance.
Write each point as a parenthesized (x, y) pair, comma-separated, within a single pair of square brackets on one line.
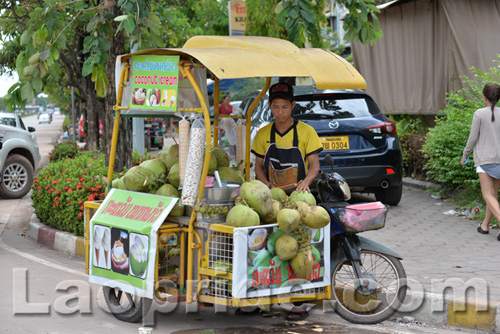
[(375, 297), (125, 306)]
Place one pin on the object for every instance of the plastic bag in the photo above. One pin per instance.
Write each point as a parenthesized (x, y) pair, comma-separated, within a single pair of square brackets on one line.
[(227, 138), (194, 162)]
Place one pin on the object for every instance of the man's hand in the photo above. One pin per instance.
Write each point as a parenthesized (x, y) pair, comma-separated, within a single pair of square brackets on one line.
[(302, 186)]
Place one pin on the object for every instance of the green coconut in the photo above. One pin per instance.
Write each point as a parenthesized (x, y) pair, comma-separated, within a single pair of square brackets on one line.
[(258, 196), (163, 155), (156, 166), (212, 167), (302, 196), (135, 178), (271, 240), (177, 210), (222, 157), (279, 194), (230, 174), (242, 216), (172, 156), (121, 184), (173, 176), (300, 205), (288, 219), (114, 183), (315, 216), (168, 190), (271, 217)]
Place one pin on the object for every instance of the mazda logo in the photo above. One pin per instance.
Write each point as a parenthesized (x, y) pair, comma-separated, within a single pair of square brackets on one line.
[(333, 125)]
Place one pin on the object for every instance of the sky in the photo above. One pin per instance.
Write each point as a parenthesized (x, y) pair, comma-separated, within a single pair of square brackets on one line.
[(5, 83)]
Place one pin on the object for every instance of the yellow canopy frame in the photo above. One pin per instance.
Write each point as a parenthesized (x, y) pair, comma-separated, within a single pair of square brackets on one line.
[(239, 57)]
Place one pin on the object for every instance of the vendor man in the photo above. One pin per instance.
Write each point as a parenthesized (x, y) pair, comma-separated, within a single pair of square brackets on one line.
[(286, 150)]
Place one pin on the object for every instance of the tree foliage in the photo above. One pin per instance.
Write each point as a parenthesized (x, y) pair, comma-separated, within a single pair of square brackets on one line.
[(302, 20), (57, 44)]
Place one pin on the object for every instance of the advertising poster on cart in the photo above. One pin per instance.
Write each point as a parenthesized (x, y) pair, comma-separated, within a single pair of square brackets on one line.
[(258, 270), (155, 81), (123, 240)]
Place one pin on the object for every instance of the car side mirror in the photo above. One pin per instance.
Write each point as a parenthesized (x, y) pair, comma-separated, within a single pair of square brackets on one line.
[(1, 145), (31, 129)]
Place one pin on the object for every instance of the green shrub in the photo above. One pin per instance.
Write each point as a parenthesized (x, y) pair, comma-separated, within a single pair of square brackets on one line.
[(67, 149), (411, 131), (446, 141), (61, 188), (65, 124)]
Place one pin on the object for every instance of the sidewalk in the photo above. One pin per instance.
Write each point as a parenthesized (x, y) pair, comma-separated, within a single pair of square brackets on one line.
[(441, 251), (438, 251)]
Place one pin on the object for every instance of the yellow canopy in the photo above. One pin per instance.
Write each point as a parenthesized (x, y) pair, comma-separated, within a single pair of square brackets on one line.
[(231, 57)]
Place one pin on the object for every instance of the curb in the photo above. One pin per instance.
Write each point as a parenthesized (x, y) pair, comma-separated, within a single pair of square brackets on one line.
[(54, 239), (409, 182)]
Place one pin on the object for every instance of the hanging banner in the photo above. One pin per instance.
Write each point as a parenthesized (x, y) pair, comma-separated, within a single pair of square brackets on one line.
[(123, 240), (154, 83), (237, 18), (258, 271)]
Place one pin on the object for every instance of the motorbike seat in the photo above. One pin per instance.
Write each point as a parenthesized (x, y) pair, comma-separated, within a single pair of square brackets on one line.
[(334, 205)]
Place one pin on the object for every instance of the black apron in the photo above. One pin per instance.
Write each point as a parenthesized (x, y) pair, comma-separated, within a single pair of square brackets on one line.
[(285, 167)]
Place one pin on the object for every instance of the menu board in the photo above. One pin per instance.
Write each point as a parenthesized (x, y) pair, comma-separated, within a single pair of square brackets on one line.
[(123, 240)]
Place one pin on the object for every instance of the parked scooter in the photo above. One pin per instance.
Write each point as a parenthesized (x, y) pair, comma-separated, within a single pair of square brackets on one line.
[(368, 279)]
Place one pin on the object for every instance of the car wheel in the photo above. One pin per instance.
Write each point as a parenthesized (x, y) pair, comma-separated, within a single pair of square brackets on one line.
[(17, 177), (390, 195)]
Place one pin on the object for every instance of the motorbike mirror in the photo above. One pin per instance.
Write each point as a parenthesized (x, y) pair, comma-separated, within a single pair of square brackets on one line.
[(329, 160)]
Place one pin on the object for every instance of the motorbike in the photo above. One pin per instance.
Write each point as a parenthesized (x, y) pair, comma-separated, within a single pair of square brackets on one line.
[(368, 279)]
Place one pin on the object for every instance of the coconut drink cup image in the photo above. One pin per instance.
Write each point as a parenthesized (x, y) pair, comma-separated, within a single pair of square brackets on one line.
[(119, 257), (138, 257), (97, 244)]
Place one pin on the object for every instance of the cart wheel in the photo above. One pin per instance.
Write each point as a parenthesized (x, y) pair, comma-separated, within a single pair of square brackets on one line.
[(125, 306)]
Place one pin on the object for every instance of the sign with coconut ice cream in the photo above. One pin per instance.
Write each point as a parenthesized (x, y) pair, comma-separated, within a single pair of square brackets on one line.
[(154, 83), (123, 240), (260, 269)]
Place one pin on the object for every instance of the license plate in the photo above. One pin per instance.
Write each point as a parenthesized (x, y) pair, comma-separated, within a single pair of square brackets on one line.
[(335, 143)]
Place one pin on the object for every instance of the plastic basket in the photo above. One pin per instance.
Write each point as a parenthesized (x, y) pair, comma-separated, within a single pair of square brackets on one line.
[(364, 217)]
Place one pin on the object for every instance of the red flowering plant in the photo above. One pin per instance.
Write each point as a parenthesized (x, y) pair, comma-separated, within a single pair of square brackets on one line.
[(60, 190), (66, 149)]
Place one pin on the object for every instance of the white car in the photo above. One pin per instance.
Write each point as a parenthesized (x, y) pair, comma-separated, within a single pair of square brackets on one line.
[(19, 156), (44, 118)]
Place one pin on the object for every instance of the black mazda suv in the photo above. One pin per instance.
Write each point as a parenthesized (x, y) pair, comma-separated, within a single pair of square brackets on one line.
[(353, 130)]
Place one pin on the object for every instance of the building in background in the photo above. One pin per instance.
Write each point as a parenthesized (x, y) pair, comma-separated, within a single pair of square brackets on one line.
[(427, 45), (335, 28)]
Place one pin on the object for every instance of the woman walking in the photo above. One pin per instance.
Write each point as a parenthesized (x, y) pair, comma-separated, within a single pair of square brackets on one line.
[(484, 138)]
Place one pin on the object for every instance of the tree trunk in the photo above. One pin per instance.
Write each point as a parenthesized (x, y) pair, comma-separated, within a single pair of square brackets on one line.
[(94, 105), (124, 146)]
